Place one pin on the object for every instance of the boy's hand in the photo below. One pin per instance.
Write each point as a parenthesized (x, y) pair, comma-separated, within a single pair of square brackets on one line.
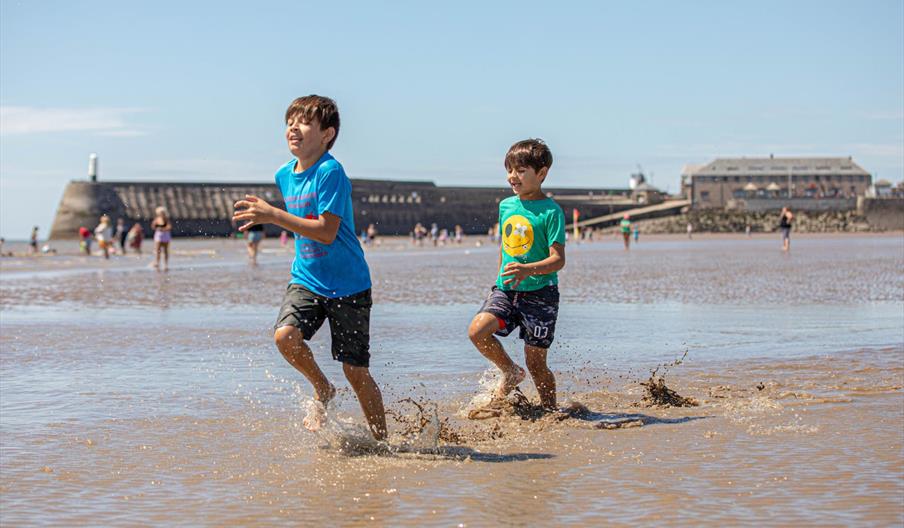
[(252, 210), (517, 271)]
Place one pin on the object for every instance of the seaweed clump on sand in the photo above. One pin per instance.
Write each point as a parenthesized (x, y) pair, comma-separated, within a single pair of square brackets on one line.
[(414, 425), (517, 404), (659, 395)]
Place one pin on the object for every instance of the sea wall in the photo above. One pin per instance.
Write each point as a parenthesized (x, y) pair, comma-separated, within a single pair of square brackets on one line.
[(758, 205), (394, 207), (883, 213), (718, 221)]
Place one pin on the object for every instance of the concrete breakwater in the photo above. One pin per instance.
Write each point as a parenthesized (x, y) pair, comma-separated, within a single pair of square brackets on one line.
[(394, 207), (719, 221)]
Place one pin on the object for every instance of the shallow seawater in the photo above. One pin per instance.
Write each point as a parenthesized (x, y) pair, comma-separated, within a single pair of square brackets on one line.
[(134, 397)]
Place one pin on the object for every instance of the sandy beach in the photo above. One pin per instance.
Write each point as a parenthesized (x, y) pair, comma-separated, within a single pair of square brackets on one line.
[(130, 396)]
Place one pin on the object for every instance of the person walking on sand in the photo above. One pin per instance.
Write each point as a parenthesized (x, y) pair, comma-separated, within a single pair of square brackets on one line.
[(254, 236), (163, 234), (121, 234), (636, 232), (690, 231), (84, 236), (526, 293), (104, 235), (330, 277), (33, 241), (784, 223), (625, 228), (136, 236)]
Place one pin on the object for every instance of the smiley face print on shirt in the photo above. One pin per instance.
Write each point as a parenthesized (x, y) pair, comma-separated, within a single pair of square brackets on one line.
[(517, 235)]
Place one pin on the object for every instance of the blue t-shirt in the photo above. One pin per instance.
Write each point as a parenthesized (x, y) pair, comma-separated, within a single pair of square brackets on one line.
[(333, 270)]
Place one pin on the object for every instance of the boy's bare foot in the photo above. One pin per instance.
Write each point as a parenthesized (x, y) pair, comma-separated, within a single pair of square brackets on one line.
[(509, 381), (316, 411)]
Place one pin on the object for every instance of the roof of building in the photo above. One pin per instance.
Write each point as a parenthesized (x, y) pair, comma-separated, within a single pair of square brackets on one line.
[(778, 166), (691, 168)]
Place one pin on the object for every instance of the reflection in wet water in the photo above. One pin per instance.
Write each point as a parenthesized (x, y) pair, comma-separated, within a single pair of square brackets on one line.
[(132, 397)]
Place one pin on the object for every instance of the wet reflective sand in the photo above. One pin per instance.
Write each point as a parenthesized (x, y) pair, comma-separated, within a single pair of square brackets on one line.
[(134, 397)]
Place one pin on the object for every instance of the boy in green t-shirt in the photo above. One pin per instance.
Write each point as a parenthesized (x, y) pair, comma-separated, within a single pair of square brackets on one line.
[(526, 295)]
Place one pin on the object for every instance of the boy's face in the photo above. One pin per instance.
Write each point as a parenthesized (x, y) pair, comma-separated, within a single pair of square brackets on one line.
[(306, 140), (525, 181)]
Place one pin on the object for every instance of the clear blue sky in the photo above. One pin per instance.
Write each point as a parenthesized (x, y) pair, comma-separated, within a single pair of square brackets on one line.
[(197, 90)]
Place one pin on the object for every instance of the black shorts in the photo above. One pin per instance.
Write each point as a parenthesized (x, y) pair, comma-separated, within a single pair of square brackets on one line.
[(534, 311), (349, 318)]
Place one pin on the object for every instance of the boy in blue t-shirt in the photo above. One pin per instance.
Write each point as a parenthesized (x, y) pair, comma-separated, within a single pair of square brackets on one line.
[(526, 295), (330, 278)]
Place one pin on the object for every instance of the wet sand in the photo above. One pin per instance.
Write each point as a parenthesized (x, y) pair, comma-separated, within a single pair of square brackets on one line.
[(135, 397)]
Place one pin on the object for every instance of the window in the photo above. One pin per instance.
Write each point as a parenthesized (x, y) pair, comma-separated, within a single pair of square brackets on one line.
[(704, 195)]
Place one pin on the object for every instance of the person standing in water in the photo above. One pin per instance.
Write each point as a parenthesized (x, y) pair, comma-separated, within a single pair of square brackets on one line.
[(136, 235), (163, 234), (254, 235), (526, 293), (121, 234), (625, 228), (33, 242), (784, 223), (104, 235)]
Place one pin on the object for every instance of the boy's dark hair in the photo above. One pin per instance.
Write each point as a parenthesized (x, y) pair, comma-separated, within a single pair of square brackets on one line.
[(531, 153), (311, 107)]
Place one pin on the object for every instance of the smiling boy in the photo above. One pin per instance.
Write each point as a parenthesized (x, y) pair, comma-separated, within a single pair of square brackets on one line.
[(330, 278), (526, 293)]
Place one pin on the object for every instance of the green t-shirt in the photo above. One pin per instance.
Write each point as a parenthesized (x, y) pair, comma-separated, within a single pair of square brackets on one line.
[(527, 229), (625, 225)]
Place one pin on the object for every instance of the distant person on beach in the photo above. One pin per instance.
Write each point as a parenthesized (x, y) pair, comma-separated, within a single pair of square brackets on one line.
[(419, 233), (85, 239), (526, 293), (33, 242), (636, 232), (372, 233), (690, 231), (747, 230), (330, 278), (104, 235), (121, 234), (459, 234), (434, 233), (254, 236), (283, 238), (135, 237), (625, 227), (784, 223), (163, 234)]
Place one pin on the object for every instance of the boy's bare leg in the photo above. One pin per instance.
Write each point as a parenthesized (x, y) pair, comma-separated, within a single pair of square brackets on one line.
[(481, 333), (545, 381), (369, 397), (291, 345)]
